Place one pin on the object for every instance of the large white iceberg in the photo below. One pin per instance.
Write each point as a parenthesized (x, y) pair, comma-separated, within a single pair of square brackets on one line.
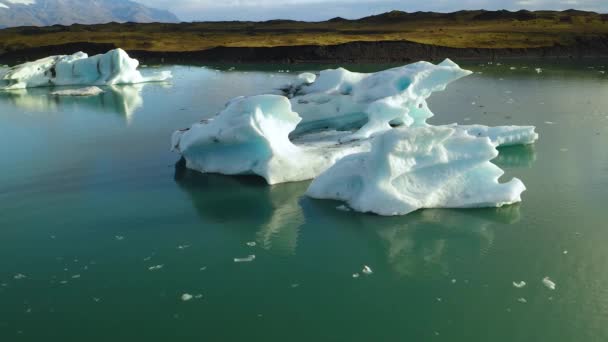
[(424, 167), (113, 67), (343, 124)]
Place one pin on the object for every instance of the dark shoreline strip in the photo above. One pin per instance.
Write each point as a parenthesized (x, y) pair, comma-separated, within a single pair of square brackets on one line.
[(353, 52)]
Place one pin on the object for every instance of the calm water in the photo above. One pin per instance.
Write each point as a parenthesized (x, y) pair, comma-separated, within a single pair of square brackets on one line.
[(90, 200)]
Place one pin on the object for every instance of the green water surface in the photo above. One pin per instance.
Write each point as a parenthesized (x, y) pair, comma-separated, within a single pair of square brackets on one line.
[(90, 200)]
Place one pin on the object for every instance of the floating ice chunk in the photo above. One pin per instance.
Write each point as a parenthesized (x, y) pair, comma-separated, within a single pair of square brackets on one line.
[(538, 70), (342, 207), (356, 275), (186, 297), (502, 135), (76, 276), (549, 283), (249, 258), (412, 168), (113, 67), (367, 270), (119, 237), (19, 276), (155, 268), (87, 91), (549, 122), (520, 284), (251, 244), (522, 300), (183, 246), (198, 296)]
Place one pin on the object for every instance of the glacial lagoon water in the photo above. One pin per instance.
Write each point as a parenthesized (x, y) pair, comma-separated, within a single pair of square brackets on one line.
[(101, 234)]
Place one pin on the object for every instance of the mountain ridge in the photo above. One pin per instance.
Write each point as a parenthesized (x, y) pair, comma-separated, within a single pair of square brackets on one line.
[(67, 12)]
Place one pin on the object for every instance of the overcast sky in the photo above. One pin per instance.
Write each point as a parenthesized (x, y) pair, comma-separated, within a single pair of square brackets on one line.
[(321, 10)]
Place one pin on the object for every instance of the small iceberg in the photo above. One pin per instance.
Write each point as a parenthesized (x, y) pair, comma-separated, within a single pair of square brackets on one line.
[(549, 283), (113, 67), (520, 284), (249, 258)]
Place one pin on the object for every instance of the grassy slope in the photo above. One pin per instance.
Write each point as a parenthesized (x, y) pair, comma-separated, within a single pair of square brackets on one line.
[(471, 29)]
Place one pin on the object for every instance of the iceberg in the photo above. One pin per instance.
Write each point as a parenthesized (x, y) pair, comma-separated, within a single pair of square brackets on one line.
[(364, 140), (414, 168), (111, 68)]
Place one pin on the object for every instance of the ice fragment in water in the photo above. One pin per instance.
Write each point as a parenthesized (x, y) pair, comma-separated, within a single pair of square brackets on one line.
[(522, 300), (249, 258), (155, 268), (19, 276), (367, 270), (520, 284), (119, 237), (549, 283), (355, 275), (538, 70), (343, 208), (251, 244), (186, 297)]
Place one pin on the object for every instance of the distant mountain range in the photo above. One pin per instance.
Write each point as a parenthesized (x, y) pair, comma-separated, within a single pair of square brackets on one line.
[(67, 12)]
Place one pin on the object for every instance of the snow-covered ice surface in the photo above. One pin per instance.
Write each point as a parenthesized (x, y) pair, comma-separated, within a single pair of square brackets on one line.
[(424, 167), (363, 138), (113, 67)]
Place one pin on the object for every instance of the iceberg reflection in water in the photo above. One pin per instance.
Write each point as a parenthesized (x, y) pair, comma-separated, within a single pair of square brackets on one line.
[(424, 242), (274, 212), (124, 100)]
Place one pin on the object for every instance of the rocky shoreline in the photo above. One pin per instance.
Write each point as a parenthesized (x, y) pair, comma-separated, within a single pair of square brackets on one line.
[(353, 52)]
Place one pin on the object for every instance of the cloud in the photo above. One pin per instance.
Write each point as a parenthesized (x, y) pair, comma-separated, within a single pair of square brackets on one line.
[(322, 10)]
